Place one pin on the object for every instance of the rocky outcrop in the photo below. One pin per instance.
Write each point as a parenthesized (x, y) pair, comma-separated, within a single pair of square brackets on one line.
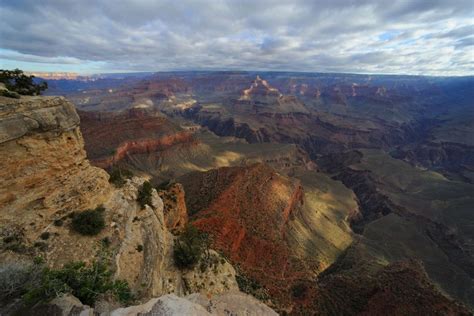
[(44, 170), (230, 303), (174, 209), (247, 211), (260, 88), (168, 305), (145, 255)]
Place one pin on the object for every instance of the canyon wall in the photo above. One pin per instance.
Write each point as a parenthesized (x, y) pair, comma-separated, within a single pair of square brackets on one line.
[(44, 170)]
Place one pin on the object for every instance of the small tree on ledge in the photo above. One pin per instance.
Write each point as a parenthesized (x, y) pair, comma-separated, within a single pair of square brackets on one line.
[(17, 81)]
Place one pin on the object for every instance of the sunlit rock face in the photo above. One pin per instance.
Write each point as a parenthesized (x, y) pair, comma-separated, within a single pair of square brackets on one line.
[(260, 87), (44, 169), (267, 224)]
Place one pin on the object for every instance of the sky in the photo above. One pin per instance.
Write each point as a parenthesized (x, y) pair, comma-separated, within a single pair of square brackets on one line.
[(419, 37)]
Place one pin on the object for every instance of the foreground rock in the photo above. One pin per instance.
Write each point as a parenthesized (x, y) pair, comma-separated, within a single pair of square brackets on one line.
[(230, 303), (44, 170)]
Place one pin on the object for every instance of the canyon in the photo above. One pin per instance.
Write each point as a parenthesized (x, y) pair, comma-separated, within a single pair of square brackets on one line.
[(323, 194), (48, 179)]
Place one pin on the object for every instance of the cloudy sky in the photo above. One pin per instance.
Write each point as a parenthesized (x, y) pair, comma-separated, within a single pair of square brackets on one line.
[(430, 37)]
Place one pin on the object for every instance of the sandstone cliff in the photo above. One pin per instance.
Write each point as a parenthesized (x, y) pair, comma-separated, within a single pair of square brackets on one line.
[(44, 170)]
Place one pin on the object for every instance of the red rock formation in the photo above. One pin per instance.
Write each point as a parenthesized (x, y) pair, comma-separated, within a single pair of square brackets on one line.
[(109, 137), (246, 211), (174, 207)]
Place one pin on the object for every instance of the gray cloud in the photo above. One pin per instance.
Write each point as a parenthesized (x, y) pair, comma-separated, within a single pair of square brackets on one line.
[(385, 36)]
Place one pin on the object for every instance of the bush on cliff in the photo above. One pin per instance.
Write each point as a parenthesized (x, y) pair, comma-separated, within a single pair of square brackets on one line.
[(17, 81), (86, 282), (119, 175), (189, 247), (144, 194), (89, 222), (15, 280)]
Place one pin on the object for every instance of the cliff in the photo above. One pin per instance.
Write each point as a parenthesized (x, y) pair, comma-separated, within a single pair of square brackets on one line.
[(44, 170)]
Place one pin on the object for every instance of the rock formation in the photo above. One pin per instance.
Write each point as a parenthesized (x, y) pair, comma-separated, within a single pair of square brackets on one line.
[(44, 170), (47, 179), (231, 303), (176, 213), (151, 270)]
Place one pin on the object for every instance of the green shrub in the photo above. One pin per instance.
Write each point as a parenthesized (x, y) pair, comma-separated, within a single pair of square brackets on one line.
[(45, 235), (106, 242), (17, 81), (89, 222), (41, 245), (252, 287), (139, 248), (38, 260), (298, 290), (144, 194), (15, 280), (189, 247), (9, 239), (9, 94), (122, 291), (84, 282), (119, 175), (58, 222)]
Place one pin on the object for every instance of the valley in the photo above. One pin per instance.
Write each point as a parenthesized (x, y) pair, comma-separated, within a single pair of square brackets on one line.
[(316, 188)]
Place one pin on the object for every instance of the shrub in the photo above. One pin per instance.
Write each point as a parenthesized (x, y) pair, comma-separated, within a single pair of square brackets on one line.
[(58, 222), (298, 290), (9, 94), (16, 278), (139, 248), (9, 239), (144, 194), (252, 287), (41, 245), (17, 81), (122, 291), (189, 247), (84, 282), (89, 222), (118, 176), (45, 235), (106, 242)]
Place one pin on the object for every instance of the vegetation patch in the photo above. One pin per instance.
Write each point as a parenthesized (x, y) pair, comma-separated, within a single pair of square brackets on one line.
[(16, 279), (144, 194), (299, 290), (45, 235), (189, 247), (58, 222), (19, 83), (89, 222), (13, 239), (252, 287), (118, 176), (83, 281)]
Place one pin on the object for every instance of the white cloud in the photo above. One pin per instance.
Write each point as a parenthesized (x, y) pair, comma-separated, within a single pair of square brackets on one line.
[(412, 37)]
